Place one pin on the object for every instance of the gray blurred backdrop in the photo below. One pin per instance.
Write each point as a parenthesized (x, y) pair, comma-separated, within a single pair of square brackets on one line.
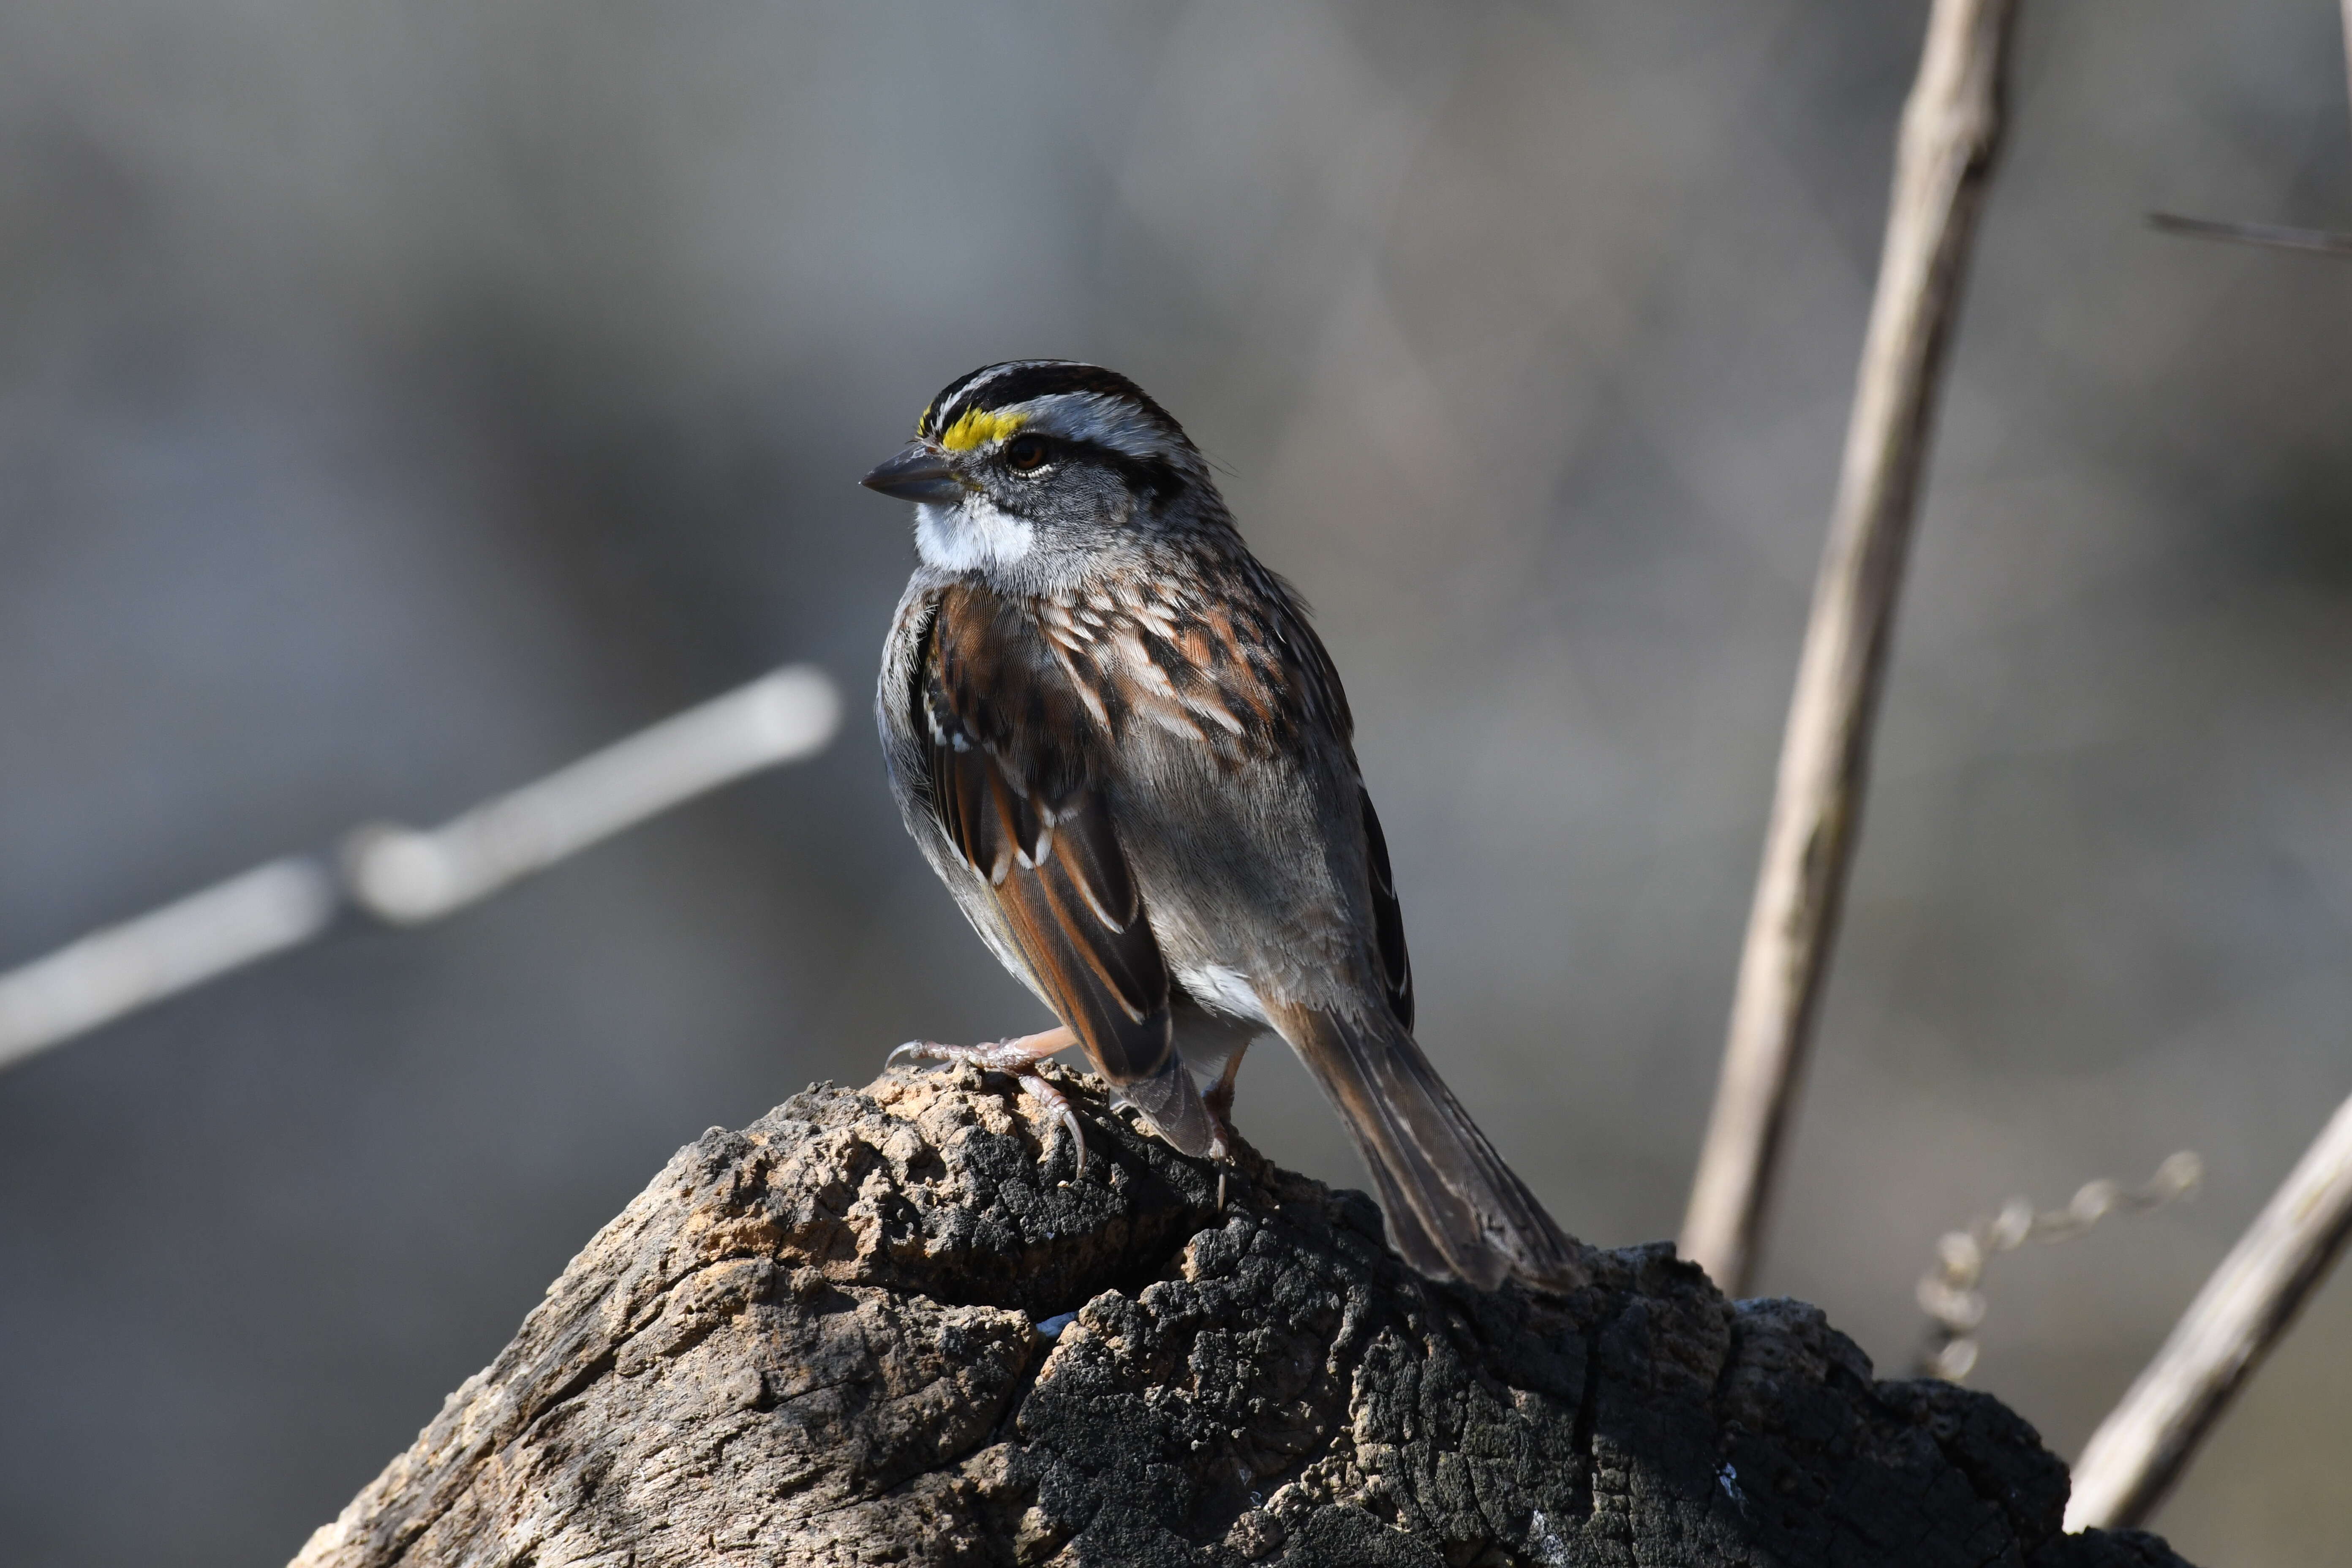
[(397, 399)]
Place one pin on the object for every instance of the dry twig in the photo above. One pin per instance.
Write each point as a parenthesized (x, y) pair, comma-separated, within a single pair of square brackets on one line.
[(1949, 1293), (1951, 126), (2276, 236), (405, 875), (2139, 1450)]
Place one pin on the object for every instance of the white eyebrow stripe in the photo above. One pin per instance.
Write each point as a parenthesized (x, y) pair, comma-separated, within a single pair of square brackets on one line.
[(1104, 421)]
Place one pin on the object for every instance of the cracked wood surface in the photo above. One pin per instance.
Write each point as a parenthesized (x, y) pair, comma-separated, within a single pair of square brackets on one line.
[(816, 1341)]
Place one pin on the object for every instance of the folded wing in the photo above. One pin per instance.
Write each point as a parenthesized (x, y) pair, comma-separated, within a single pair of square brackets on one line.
[(1015, 784)]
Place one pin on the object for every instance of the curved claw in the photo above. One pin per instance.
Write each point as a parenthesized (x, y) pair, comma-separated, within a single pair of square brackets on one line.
[(1046, 1095), (1078, 1136), (1018, 1057)]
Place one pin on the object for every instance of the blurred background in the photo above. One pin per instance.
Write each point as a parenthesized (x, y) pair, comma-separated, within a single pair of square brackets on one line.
[(398, 400)]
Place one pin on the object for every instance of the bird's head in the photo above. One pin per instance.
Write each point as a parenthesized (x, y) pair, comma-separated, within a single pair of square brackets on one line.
[(1031, 469)]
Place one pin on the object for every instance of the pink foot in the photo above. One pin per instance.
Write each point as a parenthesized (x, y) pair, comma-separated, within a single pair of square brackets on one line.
[(1019, 1058)]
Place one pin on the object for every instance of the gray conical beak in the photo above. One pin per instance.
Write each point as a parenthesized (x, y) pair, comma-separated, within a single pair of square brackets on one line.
[(919, 473)]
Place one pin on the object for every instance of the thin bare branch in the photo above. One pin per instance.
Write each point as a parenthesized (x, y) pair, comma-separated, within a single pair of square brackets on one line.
[(2139, 1450), (125, 967), (1951, 1293), (2276, 236), (1944, 157), (405, 876)]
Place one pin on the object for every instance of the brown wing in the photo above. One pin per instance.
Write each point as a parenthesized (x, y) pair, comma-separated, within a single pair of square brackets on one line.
[(1242, 672), (1301, 688), (1012, 785)]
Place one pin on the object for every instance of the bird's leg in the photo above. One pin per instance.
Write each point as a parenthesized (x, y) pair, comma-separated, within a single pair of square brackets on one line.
[(1219, 1099), (1019, 1058), (1219, 1096)]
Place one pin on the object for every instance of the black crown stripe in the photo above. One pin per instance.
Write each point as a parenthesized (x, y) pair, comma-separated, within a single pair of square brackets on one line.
[(1017, 381), (934, 417)]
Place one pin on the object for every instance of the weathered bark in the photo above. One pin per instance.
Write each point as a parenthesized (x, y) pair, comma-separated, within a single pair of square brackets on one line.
[(818, 1341)]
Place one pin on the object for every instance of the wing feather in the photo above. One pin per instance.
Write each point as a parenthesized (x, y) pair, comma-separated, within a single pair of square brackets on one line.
[(1015, 786)]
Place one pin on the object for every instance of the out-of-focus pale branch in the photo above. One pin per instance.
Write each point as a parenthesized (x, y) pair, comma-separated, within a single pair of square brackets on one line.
[(1951, 128), (405, 876), (2277, 237), (125, 967), (2139, 1450), (1948, 1292)]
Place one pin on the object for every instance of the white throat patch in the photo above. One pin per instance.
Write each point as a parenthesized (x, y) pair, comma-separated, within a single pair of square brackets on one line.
[(972, 537)]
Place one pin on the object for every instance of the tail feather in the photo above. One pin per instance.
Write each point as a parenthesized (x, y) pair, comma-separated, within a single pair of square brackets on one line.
[(1455, 1209)]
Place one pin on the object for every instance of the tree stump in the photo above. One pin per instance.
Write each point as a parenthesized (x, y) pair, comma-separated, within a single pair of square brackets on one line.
[(874, 1327)]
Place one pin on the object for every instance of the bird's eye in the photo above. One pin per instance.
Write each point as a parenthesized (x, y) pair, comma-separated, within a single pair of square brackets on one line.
[(1025, 453)]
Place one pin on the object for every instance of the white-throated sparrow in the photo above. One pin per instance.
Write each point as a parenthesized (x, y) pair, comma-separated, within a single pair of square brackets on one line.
[(1126, 753)]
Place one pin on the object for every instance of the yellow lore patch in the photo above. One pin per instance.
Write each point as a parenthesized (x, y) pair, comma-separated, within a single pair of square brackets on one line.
[(978, 428)]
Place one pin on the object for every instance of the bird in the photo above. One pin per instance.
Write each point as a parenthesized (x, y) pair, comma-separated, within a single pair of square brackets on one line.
[(1120, 742)]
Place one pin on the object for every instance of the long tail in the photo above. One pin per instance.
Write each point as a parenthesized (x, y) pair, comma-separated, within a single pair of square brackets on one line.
[(1455, 1209)]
